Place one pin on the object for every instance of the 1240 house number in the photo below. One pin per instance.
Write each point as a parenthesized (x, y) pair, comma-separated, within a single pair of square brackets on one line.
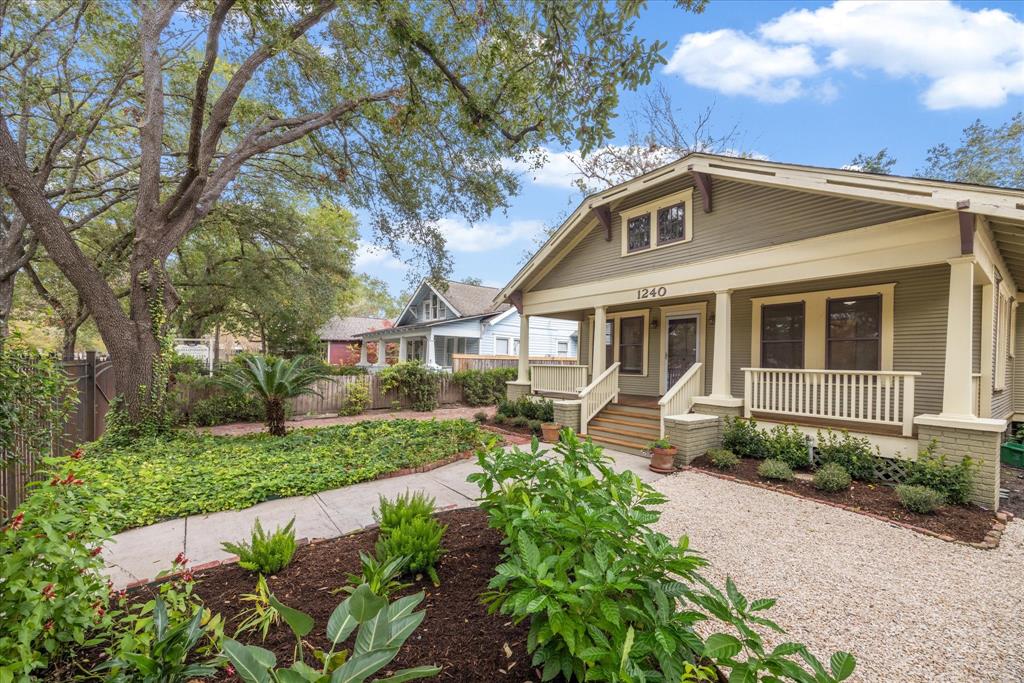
[(650, 292)]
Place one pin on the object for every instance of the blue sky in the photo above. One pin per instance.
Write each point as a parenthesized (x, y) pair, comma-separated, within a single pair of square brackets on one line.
[(812, 83)]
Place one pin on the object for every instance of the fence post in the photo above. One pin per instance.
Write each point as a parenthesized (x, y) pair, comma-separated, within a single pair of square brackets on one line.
[(89, 396)]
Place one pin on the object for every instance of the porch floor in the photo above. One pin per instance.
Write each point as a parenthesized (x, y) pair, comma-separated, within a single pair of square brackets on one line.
[(836, 424)]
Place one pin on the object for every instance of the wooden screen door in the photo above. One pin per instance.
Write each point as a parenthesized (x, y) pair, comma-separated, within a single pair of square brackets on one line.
[(681, 348)]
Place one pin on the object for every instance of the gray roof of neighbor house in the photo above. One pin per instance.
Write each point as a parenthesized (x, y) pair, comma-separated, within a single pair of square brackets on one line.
[(471, 300), (341, 329)]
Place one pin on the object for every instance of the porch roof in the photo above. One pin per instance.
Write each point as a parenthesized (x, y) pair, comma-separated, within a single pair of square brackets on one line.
[(406, 330)]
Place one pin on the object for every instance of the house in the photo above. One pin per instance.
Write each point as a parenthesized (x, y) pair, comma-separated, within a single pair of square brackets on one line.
[(462, 318), (817, 297), (342, 345)]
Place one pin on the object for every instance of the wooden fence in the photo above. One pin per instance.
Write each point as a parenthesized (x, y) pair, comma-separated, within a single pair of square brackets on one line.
[(471, 361), (333, 391)]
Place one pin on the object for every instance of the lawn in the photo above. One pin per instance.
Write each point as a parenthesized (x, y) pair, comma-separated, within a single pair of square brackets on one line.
[(158, 479)]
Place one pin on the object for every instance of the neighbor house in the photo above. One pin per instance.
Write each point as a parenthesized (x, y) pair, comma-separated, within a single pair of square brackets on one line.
[(817, 297), (459, 318), (340, 337)]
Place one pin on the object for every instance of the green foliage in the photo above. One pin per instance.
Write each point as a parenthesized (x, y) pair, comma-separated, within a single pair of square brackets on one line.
[(195, 474), (879, 162), (919, 499), (855, 454), (660, 444), (380, 575), (608, 598), (480, 417), (380, 628), (484, 387), (832, 477), (53, 594), (186, 365), (345, 370), (357, 398), (415, 383), (954, 482), (778, 470), (723, 459), (541, 409), (265, 553), (788, 444), (272, 380), (225, 407), (35, 394), (987, 155), (743, 438), (261, 615), (404, 508), (418, 540)]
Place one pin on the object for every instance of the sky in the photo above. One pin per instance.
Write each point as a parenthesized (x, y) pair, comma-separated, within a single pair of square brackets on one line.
[(809, 83)]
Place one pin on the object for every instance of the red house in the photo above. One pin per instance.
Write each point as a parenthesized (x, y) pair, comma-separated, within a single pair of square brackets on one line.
[(340, 340)]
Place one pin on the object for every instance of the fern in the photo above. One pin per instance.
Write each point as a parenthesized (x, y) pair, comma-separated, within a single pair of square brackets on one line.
[(266, 554)]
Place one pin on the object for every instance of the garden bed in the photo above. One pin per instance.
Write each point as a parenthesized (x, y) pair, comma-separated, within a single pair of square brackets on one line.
[(964, 523)]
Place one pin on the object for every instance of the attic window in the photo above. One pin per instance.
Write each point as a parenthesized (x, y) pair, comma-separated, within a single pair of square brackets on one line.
[(663, 222)]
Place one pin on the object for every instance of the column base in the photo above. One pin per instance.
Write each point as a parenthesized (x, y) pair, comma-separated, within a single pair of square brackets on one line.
[(693, 434), (958, 437), (567, 414), (516, 389)]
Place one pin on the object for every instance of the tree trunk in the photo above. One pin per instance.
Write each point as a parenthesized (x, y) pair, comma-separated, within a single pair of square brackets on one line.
[(275, 417), (67, 347), (6, 307)]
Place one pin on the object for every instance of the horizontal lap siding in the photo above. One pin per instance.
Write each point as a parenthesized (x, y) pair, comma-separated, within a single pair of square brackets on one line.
[(745, 217), (919, 335), (1017, 361), (545, 333)]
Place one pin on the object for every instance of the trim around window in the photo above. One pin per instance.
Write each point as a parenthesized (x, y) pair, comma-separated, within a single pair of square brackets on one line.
[(650, 213)]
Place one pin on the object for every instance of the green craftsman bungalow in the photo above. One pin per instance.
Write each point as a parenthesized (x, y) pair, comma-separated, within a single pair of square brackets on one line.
[(811, 296)]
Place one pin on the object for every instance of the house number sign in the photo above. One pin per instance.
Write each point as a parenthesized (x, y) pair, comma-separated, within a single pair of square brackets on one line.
[(650, 292)]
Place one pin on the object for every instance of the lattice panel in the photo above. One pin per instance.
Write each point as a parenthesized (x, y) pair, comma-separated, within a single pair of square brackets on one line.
[(891, 471)]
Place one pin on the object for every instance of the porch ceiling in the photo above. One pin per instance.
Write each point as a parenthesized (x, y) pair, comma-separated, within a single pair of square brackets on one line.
[(1010, 240)]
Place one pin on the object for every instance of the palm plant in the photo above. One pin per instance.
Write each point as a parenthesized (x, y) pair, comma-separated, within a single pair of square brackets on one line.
[(274, 381)]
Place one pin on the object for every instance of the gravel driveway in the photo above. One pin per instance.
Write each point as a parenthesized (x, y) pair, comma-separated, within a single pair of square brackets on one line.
[(910, 607)]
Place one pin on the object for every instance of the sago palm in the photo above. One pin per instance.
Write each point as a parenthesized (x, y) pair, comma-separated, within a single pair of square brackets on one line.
[(273, 381)]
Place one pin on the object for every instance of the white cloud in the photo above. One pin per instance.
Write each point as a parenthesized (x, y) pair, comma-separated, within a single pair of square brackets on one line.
[(460, 236), (371, 258), (967, 57), (558, 169)]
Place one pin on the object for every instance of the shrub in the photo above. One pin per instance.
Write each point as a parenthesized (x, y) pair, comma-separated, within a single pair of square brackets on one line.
[(788, 444), (52, 590), (723, 459), (607, 597), (919, 499), (535, 426), (380, 575), (954, 482), (375, 619), (484, 387), (266, 554), (480, 416), (414, 382), (35, 393), (225, 407), (775, 469), (357, 398), (831, 477), (418, 540), (743, 438), (519, 421), (855, 454), (273, 381), (542, 410), (186, 365), (405, 508)]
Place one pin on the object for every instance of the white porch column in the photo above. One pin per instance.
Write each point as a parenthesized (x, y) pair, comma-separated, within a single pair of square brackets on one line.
[(382, 345), (956, 384), (403, 350), (987, 359), (524, 349), (431, 355), (721, 376), (597, 360), (363, 360)]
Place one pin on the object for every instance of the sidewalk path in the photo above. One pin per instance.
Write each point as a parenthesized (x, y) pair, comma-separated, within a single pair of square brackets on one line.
[(465, 412), (140, 554)]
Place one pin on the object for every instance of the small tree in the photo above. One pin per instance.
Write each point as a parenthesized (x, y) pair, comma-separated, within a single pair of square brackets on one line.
[(273, 381)]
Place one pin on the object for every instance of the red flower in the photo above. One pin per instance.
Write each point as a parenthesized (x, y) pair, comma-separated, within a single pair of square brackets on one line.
[(49, 591), (95, 551), (48, 626), (16, 521), (187, 576), (181, 559), (77, 454), (230, 670)]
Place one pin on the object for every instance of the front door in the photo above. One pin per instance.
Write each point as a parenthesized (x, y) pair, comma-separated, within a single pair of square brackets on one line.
[(681, 349)]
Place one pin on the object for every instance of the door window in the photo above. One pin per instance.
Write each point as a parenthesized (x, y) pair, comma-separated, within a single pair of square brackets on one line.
[(681, 347)]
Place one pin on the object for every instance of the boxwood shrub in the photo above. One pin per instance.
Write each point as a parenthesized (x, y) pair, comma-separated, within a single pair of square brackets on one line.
[(788, 444), (954, 482), (832, 478), (484, 387), (775, 469), (854, 454), (919, 499), (743, 438)]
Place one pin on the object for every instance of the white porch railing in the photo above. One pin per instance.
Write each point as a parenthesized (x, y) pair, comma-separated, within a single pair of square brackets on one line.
[(679, 398), (882, 397), (597, 394), (561, 379)]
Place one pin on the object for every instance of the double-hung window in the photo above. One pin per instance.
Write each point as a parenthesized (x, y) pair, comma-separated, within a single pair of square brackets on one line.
[(562, 348), (626, 341), (853, 336), (660, 223), (782, 335)]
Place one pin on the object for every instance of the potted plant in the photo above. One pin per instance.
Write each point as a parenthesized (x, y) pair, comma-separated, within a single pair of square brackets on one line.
[(663, 456), (550, 430)]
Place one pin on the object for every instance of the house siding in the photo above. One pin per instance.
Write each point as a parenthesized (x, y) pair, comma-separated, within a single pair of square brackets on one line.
[(919, 334), (745, 217), (1018, 371), (545, 333)]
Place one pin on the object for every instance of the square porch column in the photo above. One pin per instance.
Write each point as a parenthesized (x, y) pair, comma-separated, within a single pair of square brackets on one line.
[(363, 359), (524, 349), (382, 345), (598, 363), (720, 401), (431, 352), (956, 380), (403, 350)]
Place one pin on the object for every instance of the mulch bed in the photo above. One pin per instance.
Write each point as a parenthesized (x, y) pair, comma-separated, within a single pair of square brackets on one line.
[(1012, 479), (961, 522), (524, 434), (457, 633)]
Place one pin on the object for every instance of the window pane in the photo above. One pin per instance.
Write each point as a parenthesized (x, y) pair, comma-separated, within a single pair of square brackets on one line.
[(853, 355), (501, 347), (782, 355), (638, 232), (856, 318), (631, 345), (782, 335), (609, 331), (671, 224)]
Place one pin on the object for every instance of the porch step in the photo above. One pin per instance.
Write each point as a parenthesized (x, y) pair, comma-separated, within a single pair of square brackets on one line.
[(631, 412), (645, 436), (619, 444), (621, 423)]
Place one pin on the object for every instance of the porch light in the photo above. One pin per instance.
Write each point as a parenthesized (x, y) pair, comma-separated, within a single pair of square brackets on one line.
[(654, 323)]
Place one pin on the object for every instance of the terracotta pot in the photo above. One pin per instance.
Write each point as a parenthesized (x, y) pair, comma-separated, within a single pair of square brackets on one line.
[(663, 460), (549, 431)]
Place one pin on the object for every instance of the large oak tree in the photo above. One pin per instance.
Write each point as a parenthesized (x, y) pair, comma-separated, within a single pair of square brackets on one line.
[(406, 110)]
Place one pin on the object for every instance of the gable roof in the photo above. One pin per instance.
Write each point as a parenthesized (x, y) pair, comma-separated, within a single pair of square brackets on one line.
[(342, 329), (466, 301), (936, 195)]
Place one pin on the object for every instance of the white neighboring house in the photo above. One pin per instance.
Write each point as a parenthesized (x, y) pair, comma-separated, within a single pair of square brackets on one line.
[(464, 319)]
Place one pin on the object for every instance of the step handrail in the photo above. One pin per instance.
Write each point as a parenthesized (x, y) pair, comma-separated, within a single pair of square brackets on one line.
[(598, 394), (679, 399)]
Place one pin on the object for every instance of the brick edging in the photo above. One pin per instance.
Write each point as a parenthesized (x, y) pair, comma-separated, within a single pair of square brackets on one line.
[(992, 537)]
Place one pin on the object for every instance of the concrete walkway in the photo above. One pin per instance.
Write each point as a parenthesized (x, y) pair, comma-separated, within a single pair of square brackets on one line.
[(140, 554)]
